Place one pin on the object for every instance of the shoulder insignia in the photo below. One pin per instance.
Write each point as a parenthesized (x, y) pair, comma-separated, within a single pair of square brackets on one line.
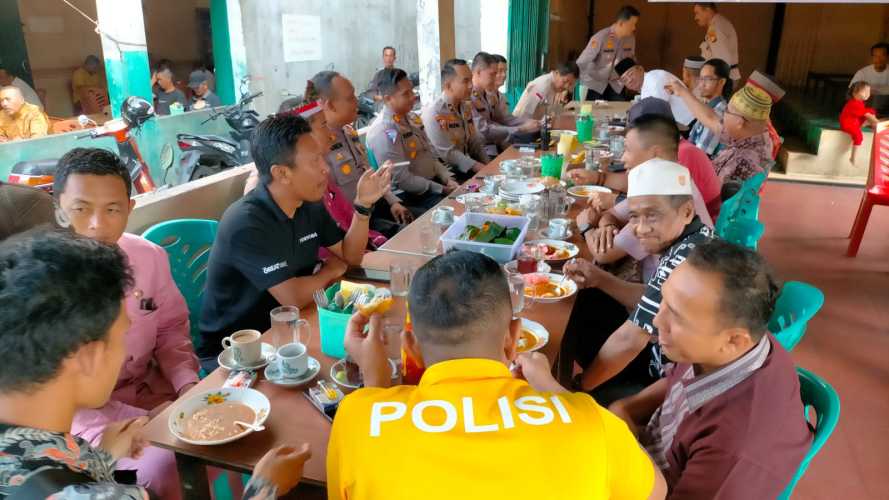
[(610, 44), (594, 42), (711, 35), (392, 134)]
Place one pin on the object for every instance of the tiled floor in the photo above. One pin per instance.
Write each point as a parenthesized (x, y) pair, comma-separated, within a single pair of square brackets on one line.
[(847, 343)]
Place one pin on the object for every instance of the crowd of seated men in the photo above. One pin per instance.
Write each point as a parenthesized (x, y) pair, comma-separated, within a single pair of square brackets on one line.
[(687, 395)]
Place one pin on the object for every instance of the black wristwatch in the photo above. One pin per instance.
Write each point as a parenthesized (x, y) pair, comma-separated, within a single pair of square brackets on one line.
[(365, 211)]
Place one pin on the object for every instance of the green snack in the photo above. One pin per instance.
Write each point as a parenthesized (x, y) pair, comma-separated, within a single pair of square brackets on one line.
[(512, 234), (503, 241), (490, 231), (470, 233)]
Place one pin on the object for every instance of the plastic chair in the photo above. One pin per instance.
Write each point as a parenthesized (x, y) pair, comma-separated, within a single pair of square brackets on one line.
[(796, 305), (877, 190), (743, 232), (818, 394), (188, 243), (743, 206)]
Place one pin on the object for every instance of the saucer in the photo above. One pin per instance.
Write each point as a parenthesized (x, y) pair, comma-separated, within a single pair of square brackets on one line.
[(545, 233), (226, 359), (273, 374)]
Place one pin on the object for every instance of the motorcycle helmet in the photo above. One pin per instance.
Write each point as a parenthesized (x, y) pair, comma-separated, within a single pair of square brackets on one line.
[(136, 111)]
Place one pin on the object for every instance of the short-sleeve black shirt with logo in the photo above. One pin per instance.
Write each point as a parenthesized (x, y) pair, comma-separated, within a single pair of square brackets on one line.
[(257, 247)]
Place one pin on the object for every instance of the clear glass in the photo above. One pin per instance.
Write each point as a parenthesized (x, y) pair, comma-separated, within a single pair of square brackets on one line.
[(429, 235), (399, 279), (288, 328), (517, 293), (617, 146)]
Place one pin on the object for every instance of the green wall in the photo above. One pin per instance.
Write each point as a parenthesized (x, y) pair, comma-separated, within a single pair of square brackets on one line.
[(151, 139)]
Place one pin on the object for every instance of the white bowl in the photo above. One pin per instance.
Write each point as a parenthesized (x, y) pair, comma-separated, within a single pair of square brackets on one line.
[(569, 285), (539, 331), (183, 410), (586, 191)]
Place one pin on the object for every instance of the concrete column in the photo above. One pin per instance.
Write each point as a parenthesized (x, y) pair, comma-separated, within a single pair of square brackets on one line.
[(124, 50), (229, 51), (435, 44)]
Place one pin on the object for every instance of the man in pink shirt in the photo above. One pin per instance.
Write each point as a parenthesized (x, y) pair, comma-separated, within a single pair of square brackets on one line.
[(92, 190)]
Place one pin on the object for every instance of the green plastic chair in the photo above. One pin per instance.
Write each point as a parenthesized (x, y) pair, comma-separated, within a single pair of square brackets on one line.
[(745, 233), (187, 242), (796, 305), (818, 394), (744, 205)]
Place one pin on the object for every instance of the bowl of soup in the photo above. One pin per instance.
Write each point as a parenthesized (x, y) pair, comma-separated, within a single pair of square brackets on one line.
[(209, 418)]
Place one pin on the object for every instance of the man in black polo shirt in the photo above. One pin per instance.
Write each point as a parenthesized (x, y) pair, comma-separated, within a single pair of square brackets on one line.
[(663, 218), (266, 248)]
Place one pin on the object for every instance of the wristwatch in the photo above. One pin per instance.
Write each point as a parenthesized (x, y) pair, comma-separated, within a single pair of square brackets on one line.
[(365, 211), (586, 229)]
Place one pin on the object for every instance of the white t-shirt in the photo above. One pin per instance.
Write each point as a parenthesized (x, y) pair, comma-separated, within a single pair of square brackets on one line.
[(653, 86), (29, 94), (879, 81)]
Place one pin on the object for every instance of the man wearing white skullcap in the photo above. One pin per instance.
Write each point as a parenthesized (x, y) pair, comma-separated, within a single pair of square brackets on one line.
[(662, 216)]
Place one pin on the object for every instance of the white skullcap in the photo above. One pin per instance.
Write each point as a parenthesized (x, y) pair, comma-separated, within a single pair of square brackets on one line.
[(659, 178)]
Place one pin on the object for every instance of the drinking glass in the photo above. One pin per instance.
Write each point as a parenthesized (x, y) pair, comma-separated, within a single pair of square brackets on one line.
[(517, 293), (287, 327), (399, 279), (617, 146), (429, 235)]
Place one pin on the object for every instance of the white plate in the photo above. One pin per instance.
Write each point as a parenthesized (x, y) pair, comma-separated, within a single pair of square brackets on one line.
[(485, 198), (512, 267), (586, 191), (569, 285), (545, 233), (516, 187), (571, 247), (182, 411), (539, 331), (273, 374), (226, 359), (338, 367)]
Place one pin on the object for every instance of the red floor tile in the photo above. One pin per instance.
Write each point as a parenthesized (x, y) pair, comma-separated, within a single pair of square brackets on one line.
[(847, 343)]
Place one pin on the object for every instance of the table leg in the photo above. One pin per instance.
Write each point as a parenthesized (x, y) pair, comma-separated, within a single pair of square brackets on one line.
[(193, 476)]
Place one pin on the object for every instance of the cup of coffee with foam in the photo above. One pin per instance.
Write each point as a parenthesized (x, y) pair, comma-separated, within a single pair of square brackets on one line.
[(246, 347)]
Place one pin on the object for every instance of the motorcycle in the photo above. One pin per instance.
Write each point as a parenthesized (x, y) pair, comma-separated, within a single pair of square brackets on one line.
[(135, 111), (204, 155)]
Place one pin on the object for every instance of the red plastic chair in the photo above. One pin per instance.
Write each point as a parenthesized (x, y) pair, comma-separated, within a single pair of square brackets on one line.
[(877, 190)]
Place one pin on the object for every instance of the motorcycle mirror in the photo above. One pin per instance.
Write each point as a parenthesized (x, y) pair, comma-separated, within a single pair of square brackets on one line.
[(166, 156)]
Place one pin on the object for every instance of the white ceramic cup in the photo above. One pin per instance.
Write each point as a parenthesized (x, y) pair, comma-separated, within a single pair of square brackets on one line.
[(246, 347), (558, 228), (292, 360)]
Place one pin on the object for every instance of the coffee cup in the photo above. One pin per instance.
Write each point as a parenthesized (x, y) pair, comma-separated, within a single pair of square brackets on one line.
[(292, 360), (558, 228), (246, 347)]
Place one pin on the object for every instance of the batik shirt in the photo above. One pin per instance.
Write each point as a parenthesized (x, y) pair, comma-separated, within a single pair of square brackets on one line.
[(741, 160), (24, 452)]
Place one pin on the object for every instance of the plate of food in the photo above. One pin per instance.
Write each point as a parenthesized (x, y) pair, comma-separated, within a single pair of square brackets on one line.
[(209, 418), (516, 187), (484, 198), (555, 250), (346, 373), (548, 287), (587, 190), (532, 337)]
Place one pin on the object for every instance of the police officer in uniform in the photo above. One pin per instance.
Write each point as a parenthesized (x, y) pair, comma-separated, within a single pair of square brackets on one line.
[(498, 130), (347, 156), (606, 48), (449, 123), (721, 40), (398, 135)]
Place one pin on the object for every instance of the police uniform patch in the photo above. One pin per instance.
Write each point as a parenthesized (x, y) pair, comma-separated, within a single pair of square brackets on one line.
[(353, 132), (396, 118), (413, 154), (412, 144), (340, 157), (593, 43), (346, 169), (392, 134), (711, 35), (417, 120)]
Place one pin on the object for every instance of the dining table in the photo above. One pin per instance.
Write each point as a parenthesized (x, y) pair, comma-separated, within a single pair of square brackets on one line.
[(293, 419)]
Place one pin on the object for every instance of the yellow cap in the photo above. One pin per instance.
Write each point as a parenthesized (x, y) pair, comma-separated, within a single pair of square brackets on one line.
[(752, 103)]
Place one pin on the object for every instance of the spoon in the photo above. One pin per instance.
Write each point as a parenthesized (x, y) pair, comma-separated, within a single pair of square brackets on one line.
[(252, 427)]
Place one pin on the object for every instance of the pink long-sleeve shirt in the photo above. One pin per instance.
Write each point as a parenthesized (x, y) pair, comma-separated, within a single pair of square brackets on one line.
[(160, 357)]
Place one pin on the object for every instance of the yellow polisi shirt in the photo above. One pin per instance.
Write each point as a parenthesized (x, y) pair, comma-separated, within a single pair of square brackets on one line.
[(472, 431)]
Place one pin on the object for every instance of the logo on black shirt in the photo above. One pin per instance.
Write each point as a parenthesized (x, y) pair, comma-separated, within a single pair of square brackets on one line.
[(307, 238), (274, 267)]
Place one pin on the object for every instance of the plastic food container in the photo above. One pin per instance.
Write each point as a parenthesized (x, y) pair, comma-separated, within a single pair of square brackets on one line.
[(500, 253)]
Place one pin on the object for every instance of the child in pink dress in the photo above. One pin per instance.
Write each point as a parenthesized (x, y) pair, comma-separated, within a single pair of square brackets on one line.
[(855, 114)]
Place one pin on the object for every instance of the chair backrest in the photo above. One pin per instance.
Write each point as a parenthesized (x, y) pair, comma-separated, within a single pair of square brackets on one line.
[(816, 394), (188, 243), (879, 157), (743, 232), (796, 305)]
